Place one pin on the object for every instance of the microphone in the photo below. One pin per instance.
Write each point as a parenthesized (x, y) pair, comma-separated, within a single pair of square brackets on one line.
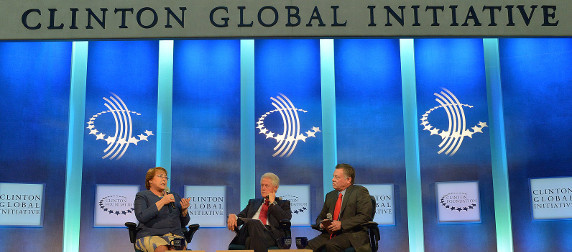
[(327, 221), (172, 204), (267, 197)]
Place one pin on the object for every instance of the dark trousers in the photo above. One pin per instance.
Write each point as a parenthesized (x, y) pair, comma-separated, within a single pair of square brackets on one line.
[(254, 235), (336, 244)]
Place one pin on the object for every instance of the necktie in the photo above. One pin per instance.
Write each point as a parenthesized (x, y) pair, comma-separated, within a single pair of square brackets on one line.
[(337, 211), (264, 212), (338, 207)]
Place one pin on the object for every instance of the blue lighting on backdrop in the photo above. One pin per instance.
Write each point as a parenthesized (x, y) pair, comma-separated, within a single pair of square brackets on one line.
[(456, 65), (128, 69), (292, 68), (35, 78), (206, 116), (370, 122), (537, 82)]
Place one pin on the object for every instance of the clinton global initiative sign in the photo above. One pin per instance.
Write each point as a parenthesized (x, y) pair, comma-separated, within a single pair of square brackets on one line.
[(385, 203), (100, 19), (551, 198), (21, 204), (207, 205), (299, 197)]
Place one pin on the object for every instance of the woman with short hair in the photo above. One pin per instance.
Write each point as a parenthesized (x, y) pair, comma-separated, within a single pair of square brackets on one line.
[(161, 215)]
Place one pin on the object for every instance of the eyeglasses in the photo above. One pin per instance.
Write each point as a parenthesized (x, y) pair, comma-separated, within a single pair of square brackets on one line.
[(163, 177)]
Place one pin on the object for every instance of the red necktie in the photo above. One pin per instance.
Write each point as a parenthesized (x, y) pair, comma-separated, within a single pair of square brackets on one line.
[(338, 207), (264, 212), (337, 211)]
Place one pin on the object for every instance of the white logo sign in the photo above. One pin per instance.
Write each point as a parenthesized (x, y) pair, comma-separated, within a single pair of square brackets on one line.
[(551, 198), (290, 136), (458, 201), (114, 205), (119, 141), (457, 129), (207, 205), (299, 197), (21, 204), (384, 209)]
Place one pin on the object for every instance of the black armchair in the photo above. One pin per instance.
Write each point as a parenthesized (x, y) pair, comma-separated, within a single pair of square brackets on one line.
[(284, 225), (188, 233), (372, 230)]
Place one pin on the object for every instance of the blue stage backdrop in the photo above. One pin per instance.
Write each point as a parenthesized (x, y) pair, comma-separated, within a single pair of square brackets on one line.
[(288, 137), (537, 94), (454, 141), (35, 78), (370, 123), (120, 134), (206, 127)]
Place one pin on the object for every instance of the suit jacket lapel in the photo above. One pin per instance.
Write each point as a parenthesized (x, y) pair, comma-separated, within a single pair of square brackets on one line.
[(333, 202), (254, 207), (346, 199)]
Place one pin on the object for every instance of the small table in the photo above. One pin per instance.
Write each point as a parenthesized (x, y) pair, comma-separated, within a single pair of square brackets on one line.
[(271, 250), (287, 250)]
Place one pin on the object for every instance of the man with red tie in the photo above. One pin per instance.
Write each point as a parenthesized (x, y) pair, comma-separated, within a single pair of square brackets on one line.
[(261, 217), (345, 209)]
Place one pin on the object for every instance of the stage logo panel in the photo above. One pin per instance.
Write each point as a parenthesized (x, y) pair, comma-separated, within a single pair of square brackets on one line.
[(536, 104), (114, 205), (21, 204), (551, 198), (206, 122), (454, 144), (299, 197), (288, 137), (120, 132), (456, 128), (121, 107), (208, 205), (384, 203), (369, 128), (452, 104), (458, 201), (117, 127)]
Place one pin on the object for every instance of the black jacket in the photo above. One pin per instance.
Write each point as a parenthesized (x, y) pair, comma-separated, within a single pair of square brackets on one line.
[(276, 213), (356, 210)]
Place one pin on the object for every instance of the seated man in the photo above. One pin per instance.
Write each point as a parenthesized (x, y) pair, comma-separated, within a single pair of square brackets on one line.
[(261, 217), (345, 210)]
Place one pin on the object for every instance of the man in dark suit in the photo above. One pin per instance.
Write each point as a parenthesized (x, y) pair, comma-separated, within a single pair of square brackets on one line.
[(261, 217), (349, 206)]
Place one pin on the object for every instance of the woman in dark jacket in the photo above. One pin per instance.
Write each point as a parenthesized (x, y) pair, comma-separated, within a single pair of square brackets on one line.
[(160, 213)]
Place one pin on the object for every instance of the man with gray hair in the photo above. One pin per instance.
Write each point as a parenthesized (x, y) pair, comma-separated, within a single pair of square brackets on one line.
[(261, 217)]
